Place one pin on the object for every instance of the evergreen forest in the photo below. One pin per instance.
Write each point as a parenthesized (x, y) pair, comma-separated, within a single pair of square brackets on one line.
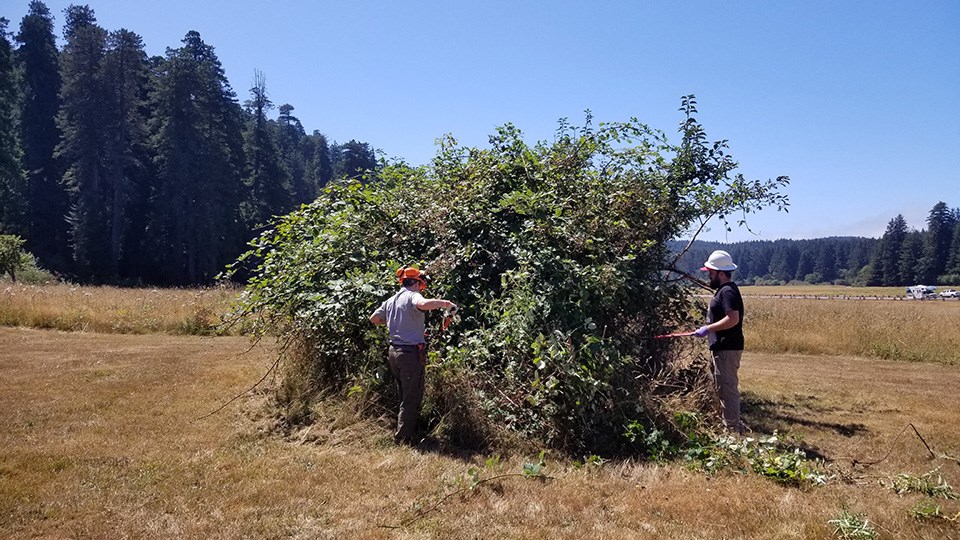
[(118, 167), (123, 168), (902, 256)]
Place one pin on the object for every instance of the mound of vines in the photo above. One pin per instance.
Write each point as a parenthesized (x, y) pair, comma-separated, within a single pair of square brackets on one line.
[(556, 253)]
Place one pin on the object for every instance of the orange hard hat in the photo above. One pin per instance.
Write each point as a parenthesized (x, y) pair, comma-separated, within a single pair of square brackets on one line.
[(412, 272)]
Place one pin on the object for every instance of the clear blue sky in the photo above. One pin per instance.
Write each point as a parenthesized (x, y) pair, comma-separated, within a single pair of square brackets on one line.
[(857, 101)]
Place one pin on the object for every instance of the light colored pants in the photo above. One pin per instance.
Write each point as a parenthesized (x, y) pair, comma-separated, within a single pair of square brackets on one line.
[(724, 366), (407, 364)]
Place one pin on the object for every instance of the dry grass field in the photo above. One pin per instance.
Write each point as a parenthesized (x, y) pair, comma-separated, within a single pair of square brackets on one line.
[(927, 331), (825, 290), (99, 438), (114, 309)]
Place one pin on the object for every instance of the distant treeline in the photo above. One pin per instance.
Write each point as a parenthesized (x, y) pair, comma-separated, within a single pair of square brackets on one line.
[(118, 167), (902, 256)]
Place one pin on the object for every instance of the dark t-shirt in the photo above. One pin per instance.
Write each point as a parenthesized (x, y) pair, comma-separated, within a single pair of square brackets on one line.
[(727, 298)]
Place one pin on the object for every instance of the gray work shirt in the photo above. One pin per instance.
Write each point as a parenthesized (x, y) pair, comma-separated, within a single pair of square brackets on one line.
[(405, 322)]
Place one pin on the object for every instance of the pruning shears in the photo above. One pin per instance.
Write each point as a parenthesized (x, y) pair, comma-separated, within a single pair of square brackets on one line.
[(448, 316)]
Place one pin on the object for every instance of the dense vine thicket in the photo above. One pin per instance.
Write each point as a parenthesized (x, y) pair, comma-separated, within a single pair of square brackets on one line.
[(557, 254)]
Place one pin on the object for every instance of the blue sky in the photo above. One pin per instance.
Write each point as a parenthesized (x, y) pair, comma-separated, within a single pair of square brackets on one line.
[(856, 101)]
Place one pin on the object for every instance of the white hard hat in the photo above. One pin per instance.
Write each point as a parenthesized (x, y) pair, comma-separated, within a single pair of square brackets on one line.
[(719, 260)]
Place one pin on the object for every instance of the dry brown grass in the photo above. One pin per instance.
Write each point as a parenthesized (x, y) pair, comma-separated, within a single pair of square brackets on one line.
[(900, 330), (114, 309), (824, 290), (926, 331), (97, 440)]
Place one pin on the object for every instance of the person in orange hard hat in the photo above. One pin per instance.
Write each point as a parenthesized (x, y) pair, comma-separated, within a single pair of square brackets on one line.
[(724, 332), (403, 313)]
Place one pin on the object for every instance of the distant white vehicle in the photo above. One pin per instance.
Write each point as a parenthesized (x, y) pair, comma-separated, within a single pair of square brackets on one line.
[(921, 291), (950, 293)]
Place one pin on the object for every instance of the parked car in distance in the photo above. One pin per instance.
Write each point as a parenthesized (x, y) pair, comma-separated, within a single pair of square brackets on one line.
[(950, 293), (921, 292)]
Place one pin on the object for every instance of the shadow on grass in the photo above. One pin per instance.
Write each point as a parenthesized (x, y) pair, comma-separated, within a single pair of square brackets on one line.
[(432, 445), (790, 413)]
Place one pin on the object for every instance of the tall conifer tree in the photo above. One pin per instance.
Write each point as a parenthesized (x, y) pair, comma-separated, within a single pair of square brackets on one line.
[(82, 149), (784, 261), (13, 189), (805, 264), (358, 160), (826, 261), (268, 182), (886, 260), (953, 262), (296, 151), (47, 202), (911, 252), (126, 157), (936, 248), (321, 163), (194, 225), (335, 151)]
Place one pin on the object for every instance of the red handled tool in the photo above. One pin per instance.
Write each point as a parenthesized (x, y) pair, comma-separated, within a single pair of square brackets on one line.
[(448, 317), (676, 334)]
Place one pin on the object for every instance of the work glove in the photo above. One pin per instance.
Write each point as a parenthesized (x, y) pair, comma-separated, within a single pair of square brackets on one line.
[(701, 332)]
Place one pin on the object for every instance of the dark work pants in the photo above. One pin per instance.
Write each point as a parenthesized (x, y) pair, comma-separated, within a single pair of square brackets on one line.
[(407, 365)]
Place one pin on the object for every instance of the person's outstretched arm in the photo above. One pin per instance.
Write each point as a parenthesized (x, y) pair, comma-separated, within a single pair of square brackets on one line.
[(434, 303)]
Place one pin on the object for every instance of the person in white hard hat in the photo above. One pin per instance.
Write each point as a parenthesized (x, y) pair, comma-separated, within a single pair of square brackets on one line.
[(724, 332)]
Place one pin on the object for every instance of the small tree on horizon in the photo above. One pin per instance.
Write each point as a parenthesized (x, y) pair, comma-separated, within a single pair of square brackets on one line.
[(12, 256)]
